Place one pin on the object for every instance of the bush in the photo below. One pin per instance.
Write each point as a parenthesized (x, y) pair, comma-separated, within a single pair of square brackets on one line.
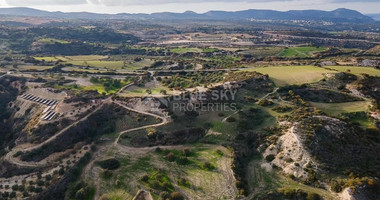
[(219, 152), (186, 152), (110, 164), (170, 156), (208, 166), (231, 119), (312, 196), (164, 195), (183, 161), (270, 158), (144, 178), (265, 102), (336, 186), (107, 174), (176, 196)]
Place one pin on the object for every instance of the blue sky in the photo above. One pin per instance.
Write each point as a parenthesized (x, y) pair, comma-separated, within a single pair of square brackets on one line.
[(200, 6)]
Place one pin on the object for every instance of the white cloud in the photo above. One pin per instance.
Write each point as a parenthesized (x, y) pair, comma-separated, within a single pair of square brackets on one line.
[(44, 2), (158, 2)]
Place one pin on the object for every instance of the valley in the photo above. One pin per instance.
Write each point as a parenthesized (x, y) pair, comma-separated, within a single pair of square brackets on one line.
[(150, 107)]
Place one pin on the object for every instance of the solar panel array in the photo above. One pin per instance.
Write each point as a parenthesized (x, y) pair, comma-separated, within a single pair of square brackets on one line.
[(49, 111)]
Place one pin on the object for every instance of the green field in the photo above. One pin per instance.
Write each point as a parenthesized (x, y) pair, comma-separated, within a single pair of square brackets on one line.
[(335, 109), (97, 61), (262, 51), (134, 91), (357, 70), (182, 50), (86, 57), (32, 67), (98, 87), (52, 41), (288, 75), (50, 58), (301, 52)]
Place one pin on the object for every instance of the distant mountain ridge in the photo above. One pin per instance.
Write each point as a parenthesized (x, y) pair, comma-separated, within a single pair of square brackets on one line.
[(338, 15), (375, 16)]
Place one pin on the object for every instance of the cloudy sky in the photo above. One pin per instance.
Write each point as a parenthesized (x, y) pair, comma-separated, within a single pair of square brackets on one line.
[(200, 6)]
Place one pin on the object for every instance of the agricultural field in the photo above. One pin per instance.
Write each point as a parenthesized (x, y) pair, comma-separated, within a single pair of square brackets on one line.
[(30, 67), (335, 109), (301, 52), (289, 75), (98, 61), (356, 70), (260, 52), (52, 41), (183, 50)]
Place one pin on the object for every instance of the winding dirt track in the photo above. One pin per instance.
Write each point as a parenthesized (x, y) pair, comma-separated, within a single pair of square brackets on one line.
[(164, 121), (13, 160)]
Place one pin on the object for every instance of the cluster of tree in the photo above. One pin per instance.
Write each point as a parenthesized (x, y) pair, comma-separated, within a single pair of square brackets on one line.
[(84, 34), (108, 83), (192, 80)]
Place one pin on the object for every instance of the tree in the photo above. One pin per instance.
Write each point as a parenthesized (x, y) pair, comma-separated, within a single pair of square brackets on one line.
[(164, 92), (186, 152), (170, 156)]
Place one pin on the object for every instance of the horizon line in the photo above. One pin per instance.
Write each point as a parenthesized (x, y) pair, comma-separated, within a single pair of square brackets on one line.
[(102, 13)]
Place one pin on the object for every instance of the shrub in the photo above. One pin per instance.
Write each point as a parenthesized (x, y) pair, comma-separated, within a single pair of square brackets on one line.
[(170, 156), (61, 171), (231, 119), (270, 158), (219, 152), (288, 160), (208, 166), (176, 196), (164, 195), (158, 150), (107, 174), (312, 196), (183, 182), (31, 188), (12, 195), (336, 186), (110, 164), (186, 152), (265, 102), (144, 178), (183, 161)]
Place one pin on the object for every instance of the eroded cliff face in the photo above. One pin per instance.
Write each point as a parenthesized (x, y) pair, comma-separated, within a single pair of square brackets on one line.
[(10, 88), (290, 154), (323, 145)]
